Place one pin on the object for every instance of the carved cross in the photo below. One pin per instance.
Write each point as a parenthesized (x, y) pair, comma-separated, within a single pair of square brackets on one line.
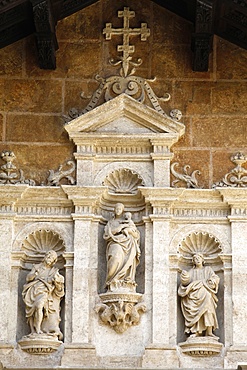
[(126, 31)]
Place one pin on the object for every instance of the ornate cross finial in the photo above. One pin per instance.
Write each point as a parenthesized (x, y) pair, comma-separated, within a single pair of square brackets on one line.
[(126, 31)]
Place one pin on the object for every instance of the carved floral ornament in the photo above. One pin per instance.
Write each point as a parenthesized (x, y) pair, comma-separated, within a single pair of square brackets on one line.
[(10, 174)]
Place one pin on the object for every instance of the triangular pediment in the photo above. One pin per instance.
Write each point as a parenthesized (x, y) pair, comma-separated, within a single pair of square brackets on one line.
[(123, 115)]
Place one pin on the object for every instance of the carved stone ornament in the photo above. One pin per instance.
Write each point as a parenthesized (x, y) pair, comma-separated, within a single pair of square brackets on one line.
[(189, 180), (120, 311), (134, 86), (237, 177), (123, 181), (42, 294), (119, 308), (55, 177), (9, 173)]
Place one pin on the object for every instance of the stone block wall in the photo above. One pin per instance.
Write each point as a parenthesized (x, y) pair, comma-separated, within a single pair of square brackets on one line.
[(213, 103)]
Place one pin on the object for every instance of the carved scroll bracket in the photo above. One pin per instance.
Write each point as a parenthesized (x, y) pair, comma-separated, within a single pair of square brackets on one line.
[(120, 310)]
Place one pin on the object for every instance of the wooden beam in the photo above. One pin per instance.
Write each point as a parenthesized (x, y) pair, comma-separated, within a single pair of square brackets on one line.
[(45, 33), (203, 36)]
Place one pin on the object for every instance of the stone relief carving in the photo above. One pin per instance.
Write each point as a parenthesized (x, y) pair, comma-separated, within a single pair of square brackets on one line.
[(119, 308), (42, 294), (121, 314), (126, 82), (10, 174), (198, 291), (123, 181), (190, 180), (237, 177), (55, 177)]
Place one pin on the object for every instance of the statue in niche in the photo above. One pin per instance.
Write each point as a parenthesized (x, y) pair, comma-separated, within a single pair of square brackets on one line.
[(122, 251), (42, 294), (198, 290)]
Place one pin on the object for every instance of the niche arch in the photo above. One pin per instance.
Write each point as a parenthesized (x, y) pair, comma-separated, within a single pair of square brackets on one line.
[(33, 243), (116, 166)]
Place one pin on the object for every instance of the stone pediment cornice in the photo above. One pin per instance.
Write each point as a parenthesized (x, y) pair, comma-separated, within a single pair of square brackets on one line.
[(124, 107)]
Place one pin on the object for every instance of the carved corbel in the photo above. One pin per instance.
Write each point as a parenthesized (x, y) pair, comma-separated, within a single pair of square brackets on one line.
[(203, 35), (45, 33)]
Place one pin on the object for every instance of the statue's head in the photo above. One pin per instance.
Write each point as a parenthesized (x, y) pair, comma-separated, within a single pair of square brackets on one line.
[(198, 259), (119, 208), (50, 258)]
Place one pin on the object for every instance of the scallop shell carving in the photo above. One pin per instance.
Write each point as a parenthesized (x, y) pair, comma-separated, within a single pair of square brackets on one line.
[(123, 181), (199, 242), (41, 241)]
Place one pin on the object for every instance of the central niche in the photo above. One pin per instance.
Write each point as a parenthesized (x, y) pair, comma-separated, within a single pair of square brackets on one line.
[(121, 251)]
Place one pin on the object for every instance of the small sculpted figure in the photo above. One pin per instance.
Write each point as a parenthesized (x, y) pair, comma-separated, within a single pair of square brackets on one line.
[(123, 249), (42, 294), (198, 290)]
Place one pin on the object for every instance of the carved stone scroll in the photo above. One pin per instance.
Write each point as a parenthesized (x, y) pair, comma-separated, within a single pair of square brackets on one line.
[(190, 180)]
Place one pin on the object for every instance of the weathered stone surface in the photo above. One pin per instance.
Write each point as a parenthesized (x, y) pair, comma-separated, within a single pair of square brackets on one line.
[(231, 61), (11, 59), (82, 25), (35, 128), (193, 97), (32, 95), (222, 132), (229, 97)]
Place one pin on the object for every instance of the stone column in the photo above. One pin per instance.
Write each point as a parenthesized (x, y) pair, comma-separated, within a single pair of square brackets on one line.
[(160, 279), (69, 262), (9, 194), (84, 199), (161, 157), (237, 200), (85, 163)]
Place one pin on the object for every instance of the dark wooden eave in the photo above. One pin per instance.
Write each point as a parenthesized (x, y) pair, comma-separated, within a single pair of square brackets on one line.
[(225, 18)]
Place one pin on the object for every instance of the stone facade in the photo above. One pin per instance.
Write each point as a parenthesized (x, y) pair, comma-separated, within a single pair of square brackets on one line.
[(123, 150)]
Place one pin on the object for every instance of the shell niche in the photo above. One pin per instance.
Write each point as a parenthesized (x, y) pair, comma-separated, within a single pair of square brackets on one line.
[(41, 241), (123, 181), (199, 242)]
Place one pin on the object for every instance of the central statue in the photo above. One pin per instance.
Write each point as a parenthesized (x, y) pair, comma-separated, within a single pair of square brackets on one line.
[(122, 251)]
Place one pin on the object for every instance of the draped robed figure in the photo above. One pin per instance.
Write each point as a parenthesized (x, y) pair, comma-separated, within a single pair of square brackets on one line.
[(122, 250), (198, 290)]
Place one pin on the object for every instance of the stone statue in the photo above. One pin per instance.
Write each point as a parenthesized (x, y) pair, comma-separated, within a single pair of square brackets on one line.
[(122, 251), (42, 294), (198, 290)]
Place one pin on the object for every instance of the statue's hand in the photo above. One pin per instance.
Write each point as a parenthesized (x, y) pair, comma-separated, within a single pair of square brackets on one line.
[(211, 283)]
